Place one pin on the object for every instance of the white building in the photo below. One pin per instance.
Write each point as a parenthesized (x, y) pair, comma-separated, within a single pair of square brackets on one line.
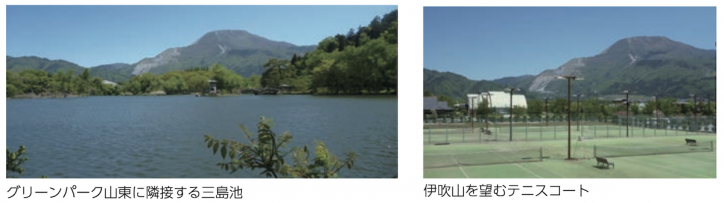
[(106, 82), (496, 99)]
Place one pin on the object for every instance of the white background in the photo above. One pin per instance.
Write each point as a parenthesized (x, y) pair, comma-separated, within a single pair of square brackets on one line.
[(410, 185)]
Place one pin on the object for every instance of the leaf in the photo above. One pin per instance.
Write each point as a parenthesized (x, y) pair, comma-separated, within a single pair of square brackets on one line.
[(232, 153), (223, 154), (216, 147)]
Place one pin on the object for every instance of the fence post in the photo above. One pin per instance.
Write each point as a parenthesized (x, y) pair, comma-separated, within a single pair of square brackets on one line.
[(526, 127), (446, 134), (554, 130), (541, 154), (619, 127)]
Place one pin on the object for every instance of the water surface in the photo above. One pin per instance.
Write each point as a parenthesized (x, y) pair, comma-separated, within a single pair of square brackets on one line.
[(151, 137)]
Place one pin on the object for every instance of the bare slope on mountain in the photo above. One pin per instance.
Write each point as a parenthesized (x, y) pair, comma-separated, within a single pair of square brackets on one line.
[(238, 50), (648, 65)]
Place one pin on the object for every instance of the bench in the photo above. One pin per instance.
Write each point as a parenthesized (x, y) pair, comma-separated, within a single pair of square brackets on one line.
[(691, 142), (601, 160)]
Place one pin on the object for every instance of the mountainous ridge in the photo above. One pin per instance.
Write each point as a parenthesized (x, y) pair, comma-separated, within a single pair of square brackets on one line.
[(238, 50), (641, 63), (454, 85), (646, 65)]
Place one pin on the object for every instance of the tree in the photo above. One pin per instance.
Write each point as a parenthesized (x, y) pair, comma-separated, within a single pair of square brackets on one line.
[(483, 109), (268, 151), (14, 160), (559, 107), (535, 107), (649, 108), (519, 111), (428, 94), (634, 108), (450, 101), (36, 80)]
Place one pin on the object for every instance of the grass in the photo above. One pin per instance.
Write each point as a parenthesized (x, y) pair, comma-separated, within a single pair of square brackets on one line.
[(681, 165)]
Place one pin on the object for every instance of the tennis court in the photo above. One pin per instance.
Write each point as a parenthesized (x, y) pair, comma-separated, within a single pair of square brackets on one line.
[(654, 154)]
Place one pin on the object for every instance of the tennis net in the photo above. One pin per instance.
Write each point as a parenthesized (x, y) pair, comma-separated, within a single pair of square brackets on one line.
[(483, 158), (609, 151)]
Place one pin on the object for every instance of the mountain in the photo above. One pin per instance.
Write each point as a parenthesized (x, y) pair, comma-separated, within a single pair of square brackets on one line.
[(18, 64), (238, 50), (455, 86), (645, 65), (522, 81), (113, 72)]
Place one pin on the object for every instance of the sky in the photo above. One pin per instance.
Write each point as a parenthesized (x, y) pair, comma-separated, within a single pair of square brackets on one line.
[(96, 35), (494, 42)]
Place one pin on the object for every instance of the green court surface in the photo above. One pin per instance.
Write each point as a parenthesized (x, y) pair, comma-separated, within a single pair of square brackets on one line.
[(665, 157)]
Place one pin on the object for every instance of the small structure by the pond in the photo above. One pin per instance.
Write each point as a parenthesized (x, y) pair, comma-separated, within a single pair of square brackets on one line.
[(212, 86)]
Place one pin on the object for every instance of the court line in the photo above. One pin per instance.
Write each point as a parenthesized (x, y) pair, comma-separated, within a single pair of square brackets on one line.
[(536, 175), (458, 164), (461, 169)]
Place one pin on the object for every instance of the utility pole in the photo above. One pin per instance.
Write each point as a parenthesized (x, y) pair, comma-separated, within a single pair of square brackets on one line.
[(511, 90), (569, 78)]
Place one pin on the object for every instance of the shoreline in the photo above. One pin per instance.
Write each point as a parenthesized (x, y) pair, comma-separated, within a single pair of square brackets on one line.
[(61, 96)]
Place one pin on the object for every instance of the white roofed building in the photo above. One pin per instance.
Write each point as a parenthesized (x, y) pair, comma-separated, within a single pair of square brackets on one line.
[(497, 99)]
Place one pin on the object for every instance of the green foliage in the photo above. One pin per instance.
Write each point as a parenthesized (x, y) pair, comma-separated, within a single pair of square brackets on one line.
[(559, 106), (358, 63), (536, 107), (13, 160), (519, 111), (173, 82), (455, 86), (268, 151), (483, 109), (42, 64), (450, 101)]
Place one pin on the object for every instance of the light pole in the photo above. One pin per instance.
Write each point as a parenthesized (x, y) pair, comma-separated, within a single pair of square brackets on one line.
[(569, 78), (628, 103), (472, 109), (486, 111), (511, 90)]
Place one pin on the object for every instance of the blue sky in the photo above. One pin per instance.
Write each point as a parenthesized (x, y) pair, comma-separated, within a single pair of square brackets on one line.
[(495, 42), (96, 35)]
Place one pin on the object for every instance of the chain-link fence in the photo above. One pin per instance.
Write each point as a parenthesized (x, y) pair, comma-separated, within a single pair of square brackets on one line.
[(528, 128)]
